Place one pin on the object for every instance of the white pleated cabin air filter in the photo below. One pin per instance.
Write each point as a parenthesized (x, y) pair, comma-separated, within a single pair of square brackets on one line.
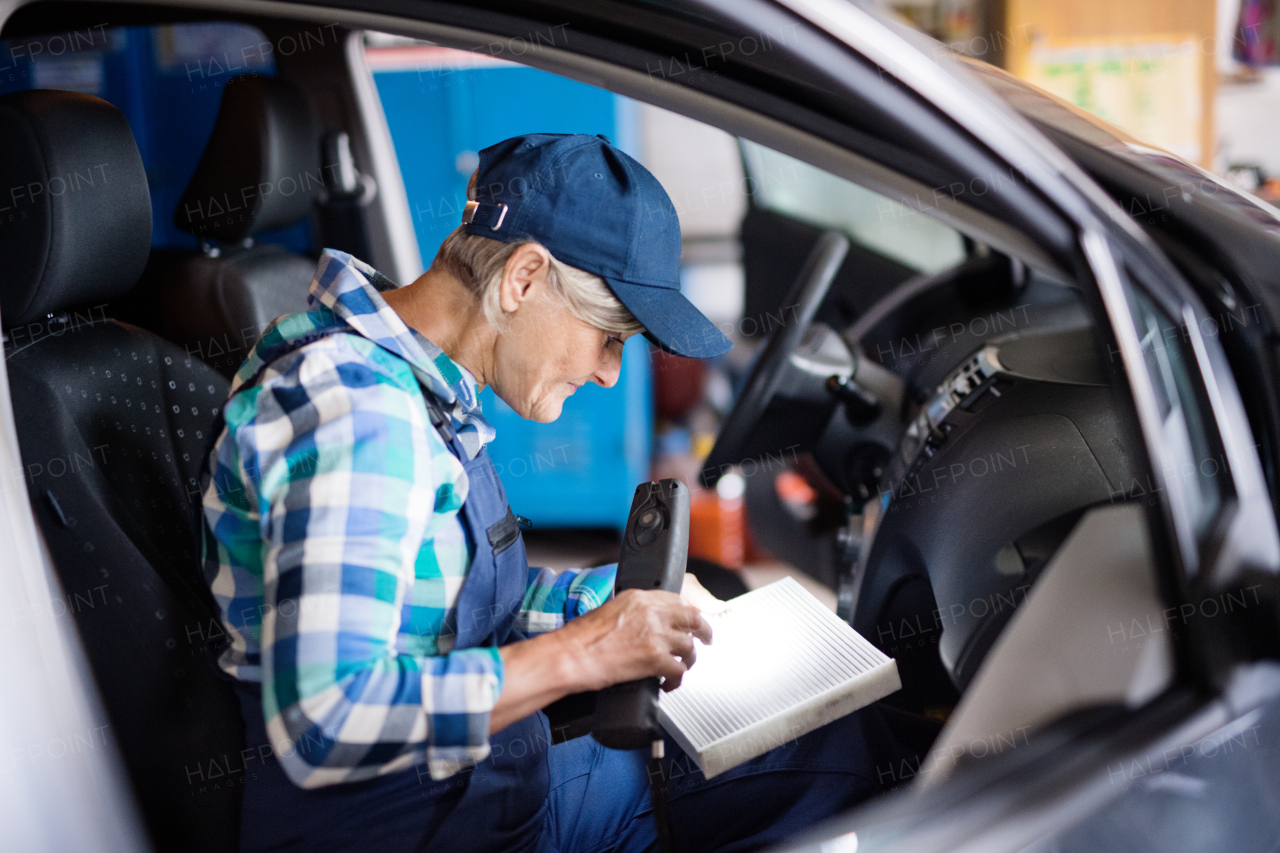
[(780, 665)]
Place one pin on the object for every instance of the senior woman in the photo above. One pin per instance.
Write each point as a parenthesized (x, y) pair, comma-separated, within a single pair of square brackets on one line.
[(390, 645)]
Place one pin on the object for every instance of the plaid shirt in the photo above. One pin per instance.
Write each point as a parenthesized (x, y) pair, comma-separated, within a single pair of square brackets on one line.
[(336, 550)]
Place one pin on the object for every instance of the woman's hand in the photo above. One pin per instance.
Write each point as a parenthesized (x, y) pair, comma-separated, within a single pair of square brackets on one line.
[(637, 634)]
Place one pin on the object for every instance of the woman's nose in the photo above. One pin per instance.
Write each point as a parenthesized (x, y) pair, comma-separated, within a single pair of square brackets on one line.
[(606, 375)]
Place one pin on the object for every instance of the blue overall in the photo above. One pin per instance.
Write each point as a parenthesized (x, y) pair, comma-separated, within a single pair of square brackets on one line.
[(499, 805), (574, 797)]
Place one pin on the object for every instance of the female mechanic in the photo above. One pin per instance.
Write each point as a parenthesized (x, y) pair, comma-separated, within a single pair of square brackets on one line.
[(387, 638)]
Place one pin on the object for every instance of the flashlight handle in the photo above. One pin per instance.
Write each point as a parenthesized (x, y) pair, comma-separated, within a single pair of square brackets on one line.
[(655, 549)]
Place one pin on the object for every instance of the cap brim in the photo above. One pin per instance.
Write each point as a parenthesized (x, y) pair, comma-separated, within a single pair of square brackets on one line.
[(671, 322)]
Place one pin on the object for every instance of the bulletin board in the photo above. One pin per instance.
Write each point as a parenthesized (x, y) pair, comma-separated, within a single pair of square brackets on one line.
[(1145, 66), (1149, 86)]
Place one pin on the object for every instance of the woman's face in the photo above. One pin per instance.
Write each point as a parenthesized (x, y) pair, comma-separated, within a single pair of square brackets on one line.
[(545, 353)]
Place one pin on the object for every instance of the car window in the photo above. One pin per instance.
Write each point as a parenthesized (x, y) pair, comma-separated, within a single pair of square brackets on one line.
[(168, 81), (1183, 423), (795, 188), (1194, 468)]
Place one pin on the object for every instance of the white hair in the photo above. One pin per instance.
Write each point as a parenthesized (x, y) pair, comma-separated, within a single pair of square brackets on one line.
[(479, 262)]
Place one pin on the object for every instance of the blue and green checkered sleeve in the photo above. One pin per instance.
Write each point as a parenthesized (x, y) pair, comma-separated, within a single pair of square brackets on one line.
[(554, 597), (348, 475)]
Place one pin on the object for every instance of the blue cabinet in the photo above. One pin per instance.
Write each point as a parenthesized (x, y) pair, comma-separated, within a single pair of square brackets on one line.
[(581, 470)]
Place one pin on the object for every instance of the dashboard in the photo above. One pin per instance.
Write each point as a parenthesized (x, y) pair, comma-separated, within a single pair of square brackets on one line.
[(994, 469), (969, 420)]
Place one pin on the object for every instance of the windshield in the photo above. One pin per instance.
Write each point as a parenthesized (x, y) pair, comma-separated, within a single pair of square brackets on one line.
[(795, 188)]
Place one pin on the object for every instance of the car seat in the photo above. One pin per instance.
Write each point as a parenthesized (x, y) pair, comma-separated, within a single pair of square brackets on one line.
[(112, 422), (259, 172)]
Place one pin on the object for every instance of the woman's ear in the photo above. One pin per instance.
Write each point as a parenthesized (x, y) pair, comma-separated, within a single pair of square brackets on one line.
[(524, 275)]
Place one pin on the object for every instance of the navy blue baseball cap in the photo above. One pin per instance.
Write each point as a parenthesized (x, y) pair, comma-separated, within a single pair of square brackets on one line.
[(595, 208)]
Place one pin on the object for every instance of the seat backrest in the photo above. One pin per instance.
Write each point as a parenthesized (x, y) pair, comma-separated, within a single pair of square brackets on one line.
[(260, 171), (112, 423)]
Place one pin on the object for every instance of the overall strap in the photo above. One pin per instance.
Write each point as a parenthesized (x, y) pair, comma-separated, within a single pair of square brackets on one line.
[(443, 424)]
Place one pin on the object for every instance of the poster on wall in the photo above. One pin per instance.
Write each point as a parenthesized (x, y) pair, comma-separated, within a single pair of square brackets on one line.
[(1148, 86)]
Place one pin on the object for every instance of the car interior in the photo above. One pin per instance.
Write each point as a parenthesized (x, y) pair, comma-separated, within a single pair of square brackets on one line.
[(964, 423)]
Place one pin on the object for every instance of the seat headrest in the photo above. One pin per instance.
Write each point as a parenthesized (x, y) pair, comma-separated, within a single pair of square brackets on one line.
[(261, 168), (75, 211)]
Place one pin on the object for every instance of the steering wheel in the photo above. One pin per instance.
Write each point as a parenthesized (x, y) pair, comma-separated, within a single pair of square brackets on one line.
[(779, 363)]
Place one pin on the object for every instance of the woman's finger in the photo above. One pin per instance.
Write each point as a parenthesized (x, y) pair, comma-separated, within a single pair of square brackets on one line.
[(693, 592), (690, 620), (683, 648), (672, 675)]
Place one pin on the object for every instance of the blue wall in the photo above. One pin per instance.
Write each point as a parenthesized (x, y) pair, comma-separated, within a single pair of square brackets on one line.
[(437, 114), (581, 470)]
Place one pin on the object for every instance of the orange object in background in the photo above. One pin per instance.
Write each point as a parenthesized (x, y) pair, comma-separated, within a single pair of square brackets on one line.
[(753, 551), (800, 497), (717, 528)]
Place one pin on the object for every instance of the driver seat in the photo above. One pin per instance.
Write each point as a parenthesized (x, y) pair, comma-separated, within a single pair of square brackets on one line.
[(112, 423)]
